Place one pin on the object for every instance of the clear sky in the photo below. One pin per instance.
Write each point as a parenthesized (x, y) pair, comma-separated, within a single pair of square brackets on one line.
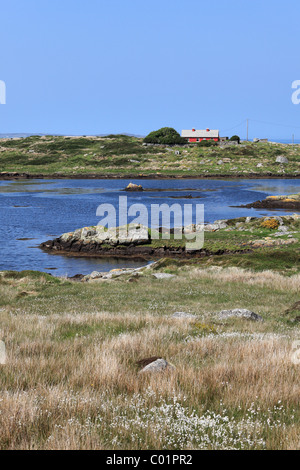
[(109, 66)]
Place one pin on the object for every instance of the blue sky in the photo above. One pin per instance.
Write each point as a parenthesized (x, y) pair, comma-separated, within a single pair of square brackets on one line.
[(108, 66)]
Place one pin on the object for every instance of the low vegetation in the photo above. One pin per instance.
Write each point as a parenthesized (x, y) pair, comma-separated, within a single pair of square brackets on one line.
[(121, 155), (71, 377)]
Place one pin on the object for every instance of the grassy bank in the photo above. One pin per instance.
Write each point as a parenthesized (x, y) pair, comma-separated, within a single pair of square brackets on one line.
[(122, 156), (71, 379)]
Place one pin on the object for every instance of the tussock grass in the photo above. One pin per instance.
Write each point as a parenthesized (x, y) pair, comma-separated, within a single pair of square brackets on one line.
[(71, 380)]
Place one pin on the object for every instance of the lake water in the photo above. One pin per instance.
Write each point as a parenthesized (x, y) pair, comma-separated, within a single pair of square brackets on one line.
[(34, 211)]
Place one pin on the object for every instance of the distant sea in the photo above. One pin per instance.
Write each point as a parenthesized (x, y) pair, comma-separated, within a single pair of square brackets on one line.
[(285, 141)]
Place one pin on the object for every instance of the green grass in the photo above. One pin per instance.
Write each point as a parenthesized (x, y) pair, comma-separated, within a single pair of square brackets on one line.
[(113, 155)]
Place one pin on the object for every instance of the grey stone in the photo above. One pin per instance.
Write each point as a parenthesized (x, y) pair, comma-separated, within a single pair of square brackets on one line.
[(221, 221), (66, 237), (249, 219), (95, 275), (163, 275), (215, 226), (240, 313), (183, 315), (77, 233), (160, 365), (107, 276), (283, 228), (281, 159), (88, 232)]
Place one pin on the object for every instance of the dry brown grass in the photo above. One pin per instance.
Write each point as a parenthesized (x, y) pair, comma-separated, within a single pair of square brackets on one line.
[(71, 378)]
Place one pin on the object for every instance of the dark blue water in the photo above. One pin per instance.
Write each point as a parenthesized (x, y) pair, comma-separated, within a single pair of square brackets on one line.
[(44, 209)]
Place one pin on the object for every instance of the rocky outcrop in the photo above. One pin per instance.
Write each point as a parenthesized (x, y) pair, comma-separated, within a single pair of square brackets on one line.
[(134, 187), (133, 241)]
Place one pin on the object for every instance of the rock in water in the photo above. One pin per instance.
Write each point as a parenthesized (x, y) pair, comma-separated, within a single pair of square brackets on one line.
[(240, 313), (134, 187)]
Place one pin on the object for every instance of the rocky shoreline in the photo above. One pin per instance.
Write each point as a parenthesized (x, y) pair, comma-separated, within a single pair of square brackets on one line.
[(11, 176), (100, 242), (133, 251), (138, 242)]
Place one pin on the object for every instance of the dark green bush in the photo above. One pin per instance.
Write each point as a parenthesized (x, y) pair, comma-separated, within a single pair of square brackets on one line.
[(235, 138), (207, 143), (164, 136)]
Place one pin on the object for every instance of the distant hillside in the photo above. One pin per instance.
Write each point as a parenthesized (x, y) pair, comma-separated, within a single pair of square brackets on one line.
[(129, 156), (20, 135)]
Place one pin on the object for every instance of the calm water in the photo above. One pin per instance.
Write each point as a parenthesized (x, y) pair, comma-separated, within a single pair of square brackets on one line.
[(38, 210)]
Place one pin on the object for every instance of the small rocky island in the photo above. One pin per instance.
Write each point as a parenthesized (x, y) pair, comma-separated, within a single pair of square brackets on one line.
[(134, 187), (100, 241), (223, 237), (277, 202)]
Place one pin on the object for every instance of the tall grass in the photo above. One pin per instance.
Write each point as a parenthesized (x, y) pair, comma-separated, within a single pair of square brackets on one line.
[(71, 379)]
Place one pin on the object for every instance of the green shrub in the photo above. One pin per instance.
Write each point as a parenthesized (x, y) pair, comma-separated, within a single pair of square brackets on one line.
[(165, 136), (235, 138), (207, 143)]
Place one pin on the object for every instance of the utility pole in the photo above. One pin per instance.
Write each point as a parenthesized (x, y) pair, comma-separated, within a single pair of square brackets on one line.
[(247, 129), (293, 139)]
